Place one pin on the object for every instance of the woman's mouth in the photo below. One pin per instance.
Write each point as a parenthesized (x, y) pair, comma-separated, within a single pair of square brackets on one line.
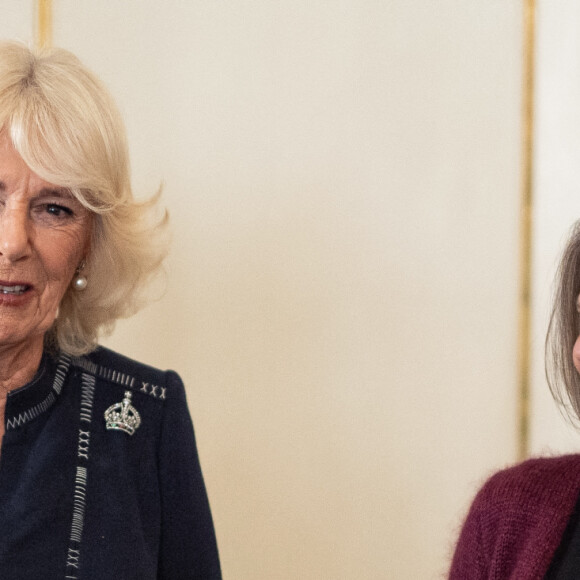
[(15, 290)]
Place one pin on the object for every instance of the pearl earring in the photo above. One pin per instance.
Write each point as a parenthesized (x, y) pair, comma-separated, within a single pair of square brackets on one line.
[(80, 282)]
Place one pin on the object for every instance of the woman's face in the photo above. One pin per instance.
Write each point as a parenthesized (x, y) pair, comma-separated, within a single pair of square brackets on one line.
[(576, 350), (44, 235)]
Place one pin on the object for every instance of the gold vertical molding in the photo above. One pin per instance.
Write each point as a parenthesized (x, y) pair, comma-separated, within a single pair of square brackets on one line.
[(526, 206), (43, 23)]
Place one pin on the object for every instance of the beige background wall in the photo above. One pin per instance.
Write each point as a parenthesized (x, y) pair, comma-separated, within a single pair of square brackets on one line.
[(343, 179)]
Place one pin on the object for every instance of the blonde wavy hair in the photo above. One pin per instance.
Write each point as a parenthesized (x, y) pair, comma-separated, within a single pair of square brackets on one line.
[(68, 130)]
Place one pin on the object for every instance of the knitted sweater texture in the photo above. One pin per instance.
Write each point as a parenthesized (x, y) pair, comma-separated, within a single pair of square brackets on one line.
[(516, 521)]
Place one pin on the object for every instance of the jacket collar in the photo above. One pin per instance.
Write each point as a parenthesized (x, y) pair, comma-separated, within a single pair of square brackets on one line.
[(37, 396)]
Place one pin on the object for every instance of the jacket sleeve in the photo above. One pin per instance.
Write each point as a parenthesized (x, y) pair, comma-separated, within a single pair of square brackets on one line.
[(188, 548)]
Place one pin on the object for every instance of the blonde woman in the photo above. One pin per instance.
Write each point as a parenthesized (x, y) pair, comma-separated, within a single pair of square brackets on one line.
[(99, 473)]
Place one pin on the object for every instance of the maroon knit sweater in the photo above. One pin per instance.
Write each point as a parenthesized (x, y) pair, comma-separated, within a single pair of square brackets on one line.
[(517, 520)]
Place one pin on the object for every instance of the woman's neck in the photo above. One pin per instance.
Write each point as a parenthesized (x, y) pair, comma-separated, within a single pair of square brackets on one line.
[(18, 364)]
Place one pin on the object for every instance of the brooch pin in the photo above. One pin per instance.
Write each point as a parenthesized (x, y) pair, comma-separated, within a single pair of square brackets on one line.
[(123, 416)]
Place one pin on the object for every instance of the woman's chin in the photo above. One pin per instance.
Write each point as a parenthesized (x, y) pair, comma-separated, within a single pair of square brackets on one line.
[(14, 300), (18, 331)]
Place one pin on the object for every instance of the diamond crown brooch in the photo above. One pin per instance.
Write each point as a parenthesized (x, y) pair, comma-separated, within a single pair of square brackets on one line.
[(123, 416)]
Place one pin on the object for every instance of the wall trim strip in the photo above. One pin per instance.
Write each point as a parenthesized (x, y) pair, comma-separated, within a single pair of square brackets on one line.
[(526, 231), (44, 23)]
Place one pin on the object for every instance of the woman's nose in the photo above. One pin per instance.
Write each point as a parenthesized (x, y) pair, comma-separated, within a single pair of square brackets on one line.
[(14, 235)]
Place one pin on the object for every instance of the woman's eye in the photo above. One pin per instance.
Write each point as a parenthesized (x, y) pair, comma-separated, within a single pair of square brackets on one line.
[(58, 210), (53, 214)]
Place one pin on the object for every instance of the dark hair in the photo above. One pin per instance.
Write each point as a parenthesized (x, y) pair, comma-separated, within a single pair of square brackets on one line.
[(563, 330)]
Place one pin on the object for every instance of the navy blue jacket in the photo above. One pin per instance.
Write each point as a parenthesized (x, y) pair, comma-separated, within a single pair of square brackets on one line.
[(83, 498)]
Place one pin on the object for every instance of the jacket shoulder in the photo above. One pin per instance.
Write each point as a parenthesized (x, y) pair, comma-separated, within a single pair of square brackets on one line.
[(121, 370)]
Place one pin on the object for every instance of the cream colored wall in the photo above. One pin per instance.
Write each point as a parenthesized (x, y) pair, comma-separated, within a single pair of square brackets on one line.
[(17, 20), (557, 193), (343, 179)]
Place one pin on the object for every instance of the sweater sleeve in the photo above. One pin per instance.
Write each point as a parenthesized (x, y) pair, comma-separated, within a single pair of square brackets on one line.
[(188, 549), (517, 520), (469, 561)]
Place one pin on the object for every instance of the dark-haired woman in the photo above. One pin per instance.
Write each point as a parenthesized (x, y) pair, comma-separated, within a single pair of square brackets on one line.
[(525, 521)]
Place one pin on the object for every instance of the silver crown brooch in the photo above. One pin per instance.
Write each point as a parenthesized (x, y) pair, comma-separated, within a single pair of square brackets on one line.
[(123, 416)]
